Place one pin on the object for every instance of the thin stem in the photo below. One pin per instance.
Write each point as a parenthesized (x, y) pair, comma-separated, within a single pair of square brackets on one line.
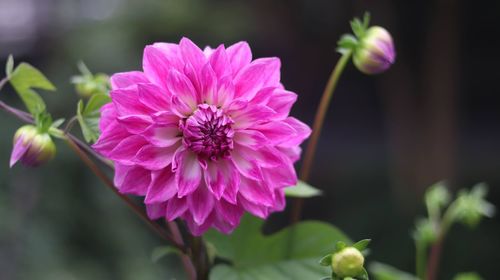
[(421, 258), (434, 258), (316, 131)]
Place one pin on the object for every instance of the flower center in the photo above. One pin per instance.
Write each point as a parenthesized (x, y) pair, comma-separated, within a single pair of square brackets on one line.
[(208, 132)]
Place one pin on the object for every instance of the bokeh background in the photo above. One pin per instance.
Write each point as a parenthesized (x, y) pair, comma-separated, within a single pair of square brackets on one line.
[(435, 115)]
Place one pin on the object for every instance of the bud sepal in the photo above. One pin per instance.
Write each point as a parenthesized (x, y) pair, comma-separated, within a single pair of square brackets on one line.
[(347, 262)]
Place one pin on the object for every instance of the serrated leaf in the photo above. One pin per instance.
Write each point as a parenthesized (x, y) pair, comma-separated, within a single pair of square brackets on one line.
[(95, 103), (24, 79), (9, 66), (162, 251), (326, 260), (291, 253), (302, 189), (381, 271), (88, 116), (362, 244)]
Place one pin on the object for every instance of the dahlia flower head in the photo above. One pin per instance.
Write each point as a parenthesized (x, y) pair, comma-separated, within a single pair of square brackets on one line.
[(204, 135)]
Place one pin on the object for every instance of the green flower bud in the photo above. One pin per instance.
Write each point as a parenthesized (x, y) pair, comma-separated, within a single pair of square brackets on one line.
[(88, 85), (31, 147), (348, 262), (374, 52)]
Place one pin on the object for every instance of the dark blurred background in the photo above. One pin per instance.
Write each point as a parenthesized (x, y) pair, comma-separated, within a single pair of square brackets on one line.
[(434, 115)]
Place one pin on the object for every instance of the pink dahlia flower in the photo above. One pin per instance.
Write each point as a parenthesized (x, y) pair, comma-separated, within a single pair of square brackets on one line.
[(204, 135)]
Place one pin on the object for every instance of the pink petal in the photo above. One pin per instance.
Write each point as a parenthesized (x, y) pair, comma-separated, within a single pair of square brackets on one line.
[(136, 181), (163, 136), (302, 131), (176, 207), (126, 150), (254, 209), (222, 175), (182, 88), (162, 187), (257, 192), (280, 201), (121, 172), (230, 213), (108, 115), (135, 124), (251, 116), (246, 164), (276, 132), (155, 158), (239, 56), (165, 118), (282, 101), (250, 138), (200, 203), (156, 64), (220, 62), (126, 79), (188, 173), (196, 229), (18, 151), (125, 101), (282, 176), (156, 210), (153, 97), (113, 134), (192, 54), (225, 92), (209, 85), (257, 75)]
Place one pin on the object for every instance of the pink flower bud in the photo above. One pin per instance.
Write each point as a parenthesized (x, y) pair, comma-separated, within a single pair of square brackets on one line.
[(31, 147), (375, 52)]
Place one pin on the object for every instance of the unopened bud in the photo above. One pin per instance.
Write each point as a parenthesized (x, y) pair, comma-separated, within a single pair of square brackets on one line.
[(31, 147), (375, 52), (348, 262)]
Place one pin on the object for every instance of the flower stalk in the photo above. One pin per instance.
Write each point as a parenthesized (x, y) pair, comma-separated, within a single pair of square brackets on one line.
[(319, 120)]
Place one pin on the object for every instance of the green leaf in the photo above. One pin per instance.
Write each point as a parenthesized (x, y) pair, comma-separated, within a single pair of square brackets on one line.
[(162, 251), (437, 196), (381, 271), (362, 244), (9, 66), (363, 275), (88, 116), (57, 123), (24, 79), (467, 276), (339, 246), (302, 189), (291, 253), (326, 260)]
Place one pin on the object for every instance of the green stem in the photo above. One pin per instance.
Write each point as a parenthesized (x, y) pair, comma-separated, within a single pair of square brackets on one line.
[(316, 131), (421, 258)]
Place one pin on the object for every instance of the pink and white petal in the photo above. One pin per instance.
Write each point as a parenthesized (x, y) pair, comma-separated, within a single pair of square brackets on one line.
[(225, 92), (280, 201), (282, 101), (156, 210), (251, 116), (220, 176), (194, 228), (188, 174), (257, 192), (136, 181), (155, 158), (126, 79), (254, 209), (181, 87), (192, 54), (125, 101), (263, 96), (163, 136), (293, 153), (126, 150), (276, 132), (121, 171), (176, 207), (154, 97), (135, 124), (220, 62), (257, 75), (239, 56), (250, 138), (208, 80), (201, 204), (162, 187), (18, 151), (302, 131), (171, 53), (246, 164), (165, 118)]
